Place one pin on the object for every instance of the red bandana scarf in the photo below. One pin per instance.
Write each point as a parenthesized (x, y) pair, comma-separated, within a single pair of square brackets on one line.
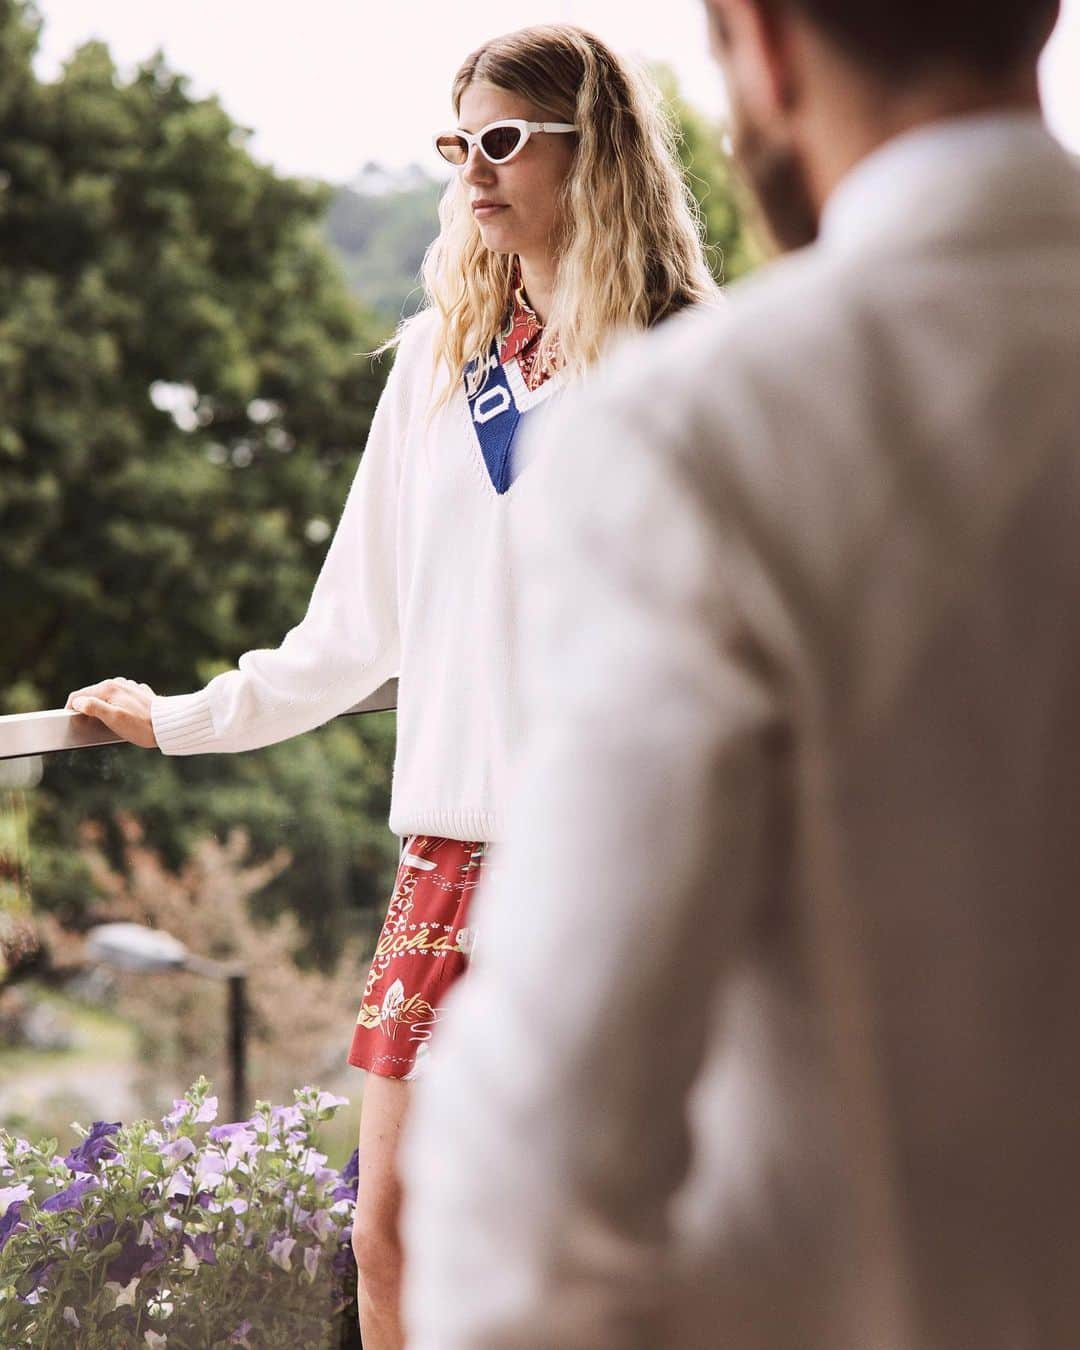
[(520, 336)]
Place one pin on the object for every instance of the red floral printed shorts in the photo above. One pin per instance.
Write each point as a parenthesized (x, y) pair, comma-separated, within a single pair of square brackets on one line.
[(423, 948)]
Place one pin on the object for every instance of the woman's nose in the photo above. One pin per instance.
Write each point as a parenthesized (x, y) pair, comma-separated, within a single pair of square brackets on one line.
[(477, 169)]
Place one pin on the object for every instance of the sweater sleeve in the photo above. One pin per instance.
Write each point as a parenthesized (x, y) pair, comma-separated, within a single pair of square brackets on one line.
[(347, 643)]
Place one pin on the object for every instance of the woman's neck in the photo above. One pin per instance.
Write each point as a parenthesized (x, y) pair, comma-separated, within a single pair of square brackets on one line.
[(538, 279)]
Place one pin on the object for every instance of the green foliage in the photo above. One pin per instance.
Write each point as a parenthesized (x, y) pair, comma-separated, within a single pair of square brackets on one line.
[(146, 259), (382, 240), (181, 396), (724, 205)]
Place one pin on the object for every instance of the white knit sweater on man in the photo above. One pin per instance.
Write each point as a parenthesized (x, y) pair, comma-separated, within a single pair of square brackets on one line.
[(416, 584)]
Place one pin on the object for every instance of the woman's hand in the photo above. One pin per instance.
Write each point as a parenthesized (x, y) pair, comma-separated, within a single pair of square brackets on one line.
[(122, 705)]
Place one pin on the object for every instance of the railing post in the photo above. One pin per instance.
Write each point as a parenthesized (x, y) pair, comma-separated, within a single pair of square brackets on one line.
[(238, 1043)]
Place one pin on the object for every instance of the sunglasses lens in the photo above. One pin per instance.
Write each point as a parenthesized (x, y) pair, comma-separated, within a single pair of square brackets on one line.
[(452, 148), (500, 142)]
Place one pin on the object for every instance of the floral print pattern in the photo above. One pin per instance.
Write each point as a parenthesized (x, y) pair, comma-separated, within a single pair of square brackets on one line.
[(422, 949)]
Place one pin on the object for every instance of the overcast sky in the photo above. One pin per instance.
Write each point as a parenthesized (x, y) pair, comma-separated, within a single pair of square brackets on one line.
[(329, 84)]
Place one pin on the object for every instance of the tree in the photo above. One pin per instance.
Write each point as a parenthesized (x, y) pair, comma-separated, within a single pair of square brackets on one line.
[(726, 208), (180, 387), (183, 400)]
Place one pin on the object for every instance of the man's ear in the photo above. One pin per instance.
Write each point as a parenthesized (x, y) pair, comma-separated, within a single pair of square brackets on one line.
[(757, 40), (718, 27)]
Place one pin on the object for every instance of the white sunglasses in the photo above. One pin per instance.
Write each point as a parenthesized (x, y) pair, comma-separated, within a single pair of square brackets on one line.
[(499, 142)]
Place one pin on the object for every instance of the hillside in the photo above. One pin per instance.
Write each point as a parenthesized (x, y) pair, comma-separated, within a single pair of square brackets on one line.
[(380, 225)]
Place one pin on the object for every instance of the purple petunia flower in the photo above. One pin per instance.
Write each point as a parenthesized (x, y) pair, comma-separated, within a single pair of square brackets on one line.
[(321, 1223), (10, 1222), (40, 1274), (343, 1263), (350, 1176), (279, 1248), (238, 1138), (219, 1132), (178, 1149), (241, 1334), (101, 1234), (327, 1101), (202, 1244), (179, 1186), (96, 1147), (210, 1169), (312, 1161), (124, 1267), (181, 1111), (137, 1256), (207, 1112), (287, 1117), (10, 1195), (72, 1197), (156, 1256)]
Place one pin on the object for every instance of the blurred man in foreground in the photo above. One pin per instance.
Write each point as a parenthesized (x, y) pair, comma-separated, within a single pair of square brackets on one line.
[(771, 1040)]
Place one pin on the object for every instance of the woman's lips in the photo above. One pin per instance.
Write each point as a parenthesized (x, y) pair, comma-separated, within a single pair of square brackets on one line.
[(481, 212)]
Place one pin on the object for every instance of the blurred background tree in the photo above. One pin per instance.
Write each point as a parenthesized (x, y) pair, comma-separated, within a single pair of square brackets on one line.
[(183, 399), (726, 208)]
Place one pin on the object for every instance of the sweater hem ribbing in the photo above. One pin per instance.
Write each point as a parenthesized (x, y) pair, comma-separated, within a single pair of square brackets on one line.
[(480, 826)]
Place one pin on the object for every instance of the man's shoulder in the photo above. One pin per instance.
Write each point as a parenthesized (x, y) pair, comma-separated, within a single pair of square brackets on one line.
[(780, 309), (695, 380), (743, 410)]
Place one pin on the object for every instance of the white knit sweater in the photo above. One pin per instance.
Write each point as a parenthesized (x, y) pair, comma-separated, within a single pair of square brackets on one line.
[(416, 583)]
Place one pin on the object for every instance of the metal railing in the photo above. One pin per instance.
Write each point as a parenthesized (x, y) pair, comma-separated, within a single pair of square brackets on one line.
[(44, 733)]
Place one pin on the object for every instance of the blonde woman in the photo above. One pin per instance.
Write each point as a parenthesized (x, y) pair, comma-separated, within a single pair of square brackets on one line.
[(566, 223)]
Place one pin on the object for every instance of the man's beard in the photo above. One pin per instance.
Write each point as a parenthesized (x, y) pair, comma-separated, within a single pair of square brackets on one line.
[(779, 183)]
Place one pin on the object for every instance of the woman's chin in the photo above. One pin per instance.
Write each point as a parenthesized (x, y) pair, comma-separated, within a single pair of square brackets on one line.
[(497, 238)]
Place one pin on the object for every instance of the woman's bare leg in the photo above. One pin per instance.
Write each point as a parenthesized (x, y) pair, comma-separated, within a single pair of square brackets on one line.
[(376, 1239)]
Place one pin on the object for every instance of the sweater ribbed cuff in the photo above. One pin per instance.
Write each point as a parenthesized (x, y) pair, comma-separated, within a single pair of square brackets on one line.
[(451, 822), (182, 723)]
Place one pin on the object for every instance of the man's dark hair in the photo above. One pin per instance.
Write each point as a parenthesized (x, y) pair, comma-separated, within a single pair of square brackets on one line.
[(902, 38)]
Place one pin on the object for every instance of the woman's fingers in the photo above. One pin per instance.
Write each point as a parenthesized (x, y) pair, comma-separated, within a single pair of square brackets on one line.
[(122, 705), (87, 691), (103, 689), (104, 712)]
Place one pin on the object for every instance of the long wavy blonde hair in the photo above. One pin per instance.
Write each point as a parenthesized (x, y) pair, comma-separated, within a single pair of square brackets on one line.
[(630, 249)]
